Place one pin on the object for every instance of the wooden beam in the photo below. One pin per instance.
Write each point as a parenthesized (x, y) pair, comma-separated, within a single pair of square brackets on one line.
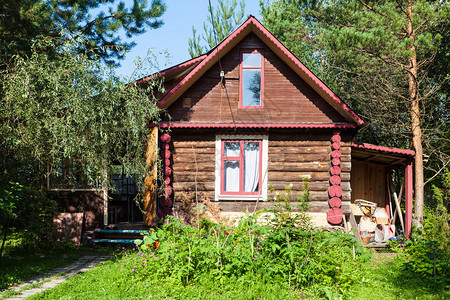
[(241, 206), (408, 198), (370, 158), (355, 228)]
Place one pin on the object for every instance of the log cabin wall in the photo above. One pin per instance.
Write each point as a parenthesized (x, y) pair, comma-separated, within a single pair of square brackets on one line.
[(291, 155), (207, 101), (193, 162)]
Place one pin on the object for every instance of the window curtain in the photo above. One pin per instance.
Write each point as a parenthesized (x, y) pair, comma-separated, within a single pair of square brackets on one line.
[(251, 167), (231, 176)]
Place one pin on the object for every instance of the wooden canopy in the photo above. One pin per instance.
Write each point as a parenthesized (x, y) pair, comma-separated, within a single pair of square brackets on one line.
[(392, 158)]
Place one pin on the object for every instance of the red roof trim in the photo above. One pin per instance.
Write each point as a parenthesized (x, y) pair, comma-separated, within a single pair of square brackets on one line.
[(384, 149), (251, 125), (174, 68)]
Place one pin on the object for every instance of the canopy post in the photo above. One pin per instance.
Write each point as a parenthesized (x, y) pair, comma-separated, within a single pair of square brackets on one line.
[(408, 198)]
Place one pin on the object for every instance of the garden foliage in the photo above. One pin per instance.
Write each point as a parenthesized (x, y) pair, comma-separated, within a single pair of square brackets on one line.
[(429, 249), (68, 107), (272, 252), (26, 214)]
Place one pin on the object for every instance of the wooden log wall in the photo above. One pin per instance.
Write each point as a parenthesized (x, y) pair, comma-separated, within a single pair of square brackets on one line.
[(294, 155), (291, 156), (193, 161), (369, 182)]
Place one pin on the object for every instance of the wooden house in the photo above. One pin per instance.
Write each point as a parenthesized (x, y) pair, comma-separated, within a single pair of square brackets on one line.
[(248, 114)]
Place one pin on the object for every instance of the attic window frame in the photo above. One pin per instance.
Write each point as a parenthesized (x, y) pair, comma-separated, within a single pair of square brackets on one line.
[(241, 77)]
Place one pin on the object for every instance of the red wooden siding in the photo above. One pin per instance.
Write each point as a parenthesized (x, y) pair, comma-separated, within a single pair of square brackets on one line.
[(287, 98)]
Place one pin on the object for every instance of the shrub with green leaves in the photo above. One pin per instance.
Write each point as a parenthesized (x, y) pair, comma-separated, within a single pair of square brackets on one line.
[(429, 248), (26, 213), (250, 251)]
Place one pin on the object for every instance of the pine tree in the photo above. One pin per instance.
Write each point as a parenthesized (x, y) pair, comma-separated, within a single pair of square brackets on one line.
[(221, 22), (381, 54), (24, 21)]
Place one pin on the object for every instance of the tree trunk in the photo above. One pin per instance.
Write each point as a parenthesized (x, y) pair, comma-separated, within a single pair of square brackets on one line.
[(415, 121), (4, 240)]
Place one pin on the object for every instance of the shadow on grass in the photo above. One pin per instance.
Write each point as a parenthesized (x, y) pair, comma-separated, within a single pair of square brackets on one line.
[(17, 268)]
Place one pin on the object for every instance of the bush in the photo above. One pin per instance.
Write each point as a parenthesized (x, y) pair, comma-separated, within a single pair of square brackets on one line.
[(27, 213), (251, 251), (429, 249)]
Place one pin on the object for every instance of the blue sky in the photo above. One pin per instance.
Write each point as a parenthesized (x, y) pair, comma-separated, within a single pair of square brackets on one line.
[(173, 36)]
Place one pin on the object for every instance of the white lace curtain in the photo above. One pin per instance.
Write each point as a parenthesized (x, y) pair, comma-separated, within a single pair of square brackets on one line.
[(232, 168), (251, 167)]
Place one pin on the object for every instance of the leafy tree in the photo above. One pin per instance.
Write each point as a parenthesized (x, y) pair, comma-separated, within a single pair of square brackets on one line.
[(23, 21), (221, 22), (381, 53), (73, 107)]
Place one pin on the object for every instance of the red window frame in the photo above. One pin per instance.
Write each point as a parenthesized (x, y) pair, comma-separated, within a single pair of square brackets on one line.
[(239, 158), (242, 52)]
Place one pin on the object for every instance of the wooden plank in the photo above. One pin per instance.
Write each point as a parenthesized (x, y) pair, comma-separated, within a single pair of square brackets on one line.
[(355, 228), (114, 241), (297, 176), (313, 195), (202, 167), (297, 186), (190, 177), (307, 144), (201, 158), (190, 186), (299, 167), (397, 203), (150, 190), (195, 144), (119, 231), (198, 150), (296, 157), (243, 206)]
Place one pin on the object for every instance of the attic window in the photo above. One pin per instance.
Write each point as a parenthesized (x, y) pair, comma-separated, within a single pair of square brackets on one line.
[(252, 78)]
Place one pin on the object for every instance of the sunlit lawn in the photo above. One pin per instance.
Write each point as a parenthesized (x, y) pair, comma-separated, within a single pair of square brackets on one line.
[(383, 278)]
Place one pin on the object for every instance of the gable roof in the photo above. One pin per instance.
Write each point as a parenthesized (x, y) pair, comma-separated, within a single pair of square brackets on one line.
[(206, 61)]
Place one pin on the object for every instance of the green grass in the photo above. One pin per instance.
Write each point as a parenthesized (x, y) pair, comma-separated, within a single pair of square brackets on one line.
[(383, 278), (21, 265), (108, 282), (16, 269)]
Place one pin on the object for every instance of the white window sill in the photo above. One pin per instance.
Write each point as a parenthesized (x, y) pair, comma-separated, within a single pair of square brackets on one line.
[(240, 198)]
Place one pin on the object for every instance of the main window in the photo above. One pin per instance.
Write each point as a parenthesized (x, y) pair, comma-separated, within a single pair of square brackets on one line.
[(241, 165), (241, 162), (252, 78)]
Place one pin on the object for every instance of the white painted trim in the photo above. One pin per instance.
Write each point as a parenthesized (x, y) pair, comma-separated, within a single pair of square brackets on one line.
[(264, 165)]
